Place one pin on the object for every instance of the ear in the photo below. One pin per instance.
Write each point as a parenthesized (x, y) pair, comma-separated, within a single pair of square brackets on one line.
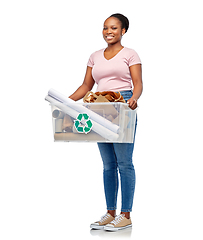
[(123, 31)]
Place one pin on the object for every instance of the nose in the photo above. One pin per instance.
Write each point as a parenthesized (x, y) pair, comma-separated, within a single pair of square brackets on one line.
[(109, 30)]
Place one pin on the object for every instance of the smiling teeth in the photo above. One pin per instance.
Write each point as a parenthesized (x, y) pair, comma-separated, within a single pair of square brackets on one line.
[(109, 37)]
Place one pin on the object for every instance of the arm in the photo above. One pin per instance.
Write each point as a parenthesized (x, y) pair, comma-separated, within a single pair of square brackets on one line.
[(136, 75), (87, 85)]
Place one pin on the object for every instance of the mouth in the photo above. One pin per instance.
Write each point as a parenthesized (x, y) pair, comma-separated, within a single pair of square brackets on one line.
[(109, 37)]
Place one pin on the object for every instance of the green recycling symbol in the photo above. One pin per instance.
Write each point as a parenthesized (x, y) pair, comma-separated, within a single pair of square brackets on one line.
[(83, 124)]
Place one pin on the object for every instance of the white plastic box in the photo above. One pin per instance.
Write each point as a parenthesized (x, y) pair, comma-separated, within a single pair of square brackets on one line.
[(96, 122)]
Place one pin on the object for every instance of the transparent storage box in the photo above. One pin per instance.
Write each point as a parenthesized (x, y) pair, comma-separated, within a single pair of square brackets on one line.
[(96, 122)]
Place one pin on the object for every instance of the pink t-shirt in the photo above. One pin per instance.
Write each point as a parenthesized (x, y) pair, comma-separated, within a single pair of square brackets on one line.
[(113, 74)]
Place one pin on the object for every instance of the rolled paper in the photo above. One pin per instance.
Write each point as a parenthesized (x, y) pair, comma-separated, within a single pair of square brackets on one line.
[(98, 128), (58, 125), (57, 114), (81, 109)]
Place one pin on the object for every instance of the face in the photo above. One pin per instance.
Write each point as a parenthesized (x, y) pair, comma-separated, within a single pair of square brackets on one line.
[(112, 31)]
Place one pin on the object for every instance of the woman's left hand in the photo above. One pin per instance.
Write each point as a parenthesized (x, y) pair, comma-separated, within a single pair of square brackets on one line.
[(132, 102)]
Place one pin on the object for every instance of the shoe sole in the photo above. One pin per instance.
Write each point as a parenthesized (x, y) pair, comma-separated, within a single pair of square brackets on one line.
[(111, 229), (96, 227)]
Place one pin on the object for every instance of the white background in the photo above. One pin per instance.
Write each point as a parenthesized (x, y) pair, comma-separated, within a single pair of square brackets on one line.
[(54, 190)]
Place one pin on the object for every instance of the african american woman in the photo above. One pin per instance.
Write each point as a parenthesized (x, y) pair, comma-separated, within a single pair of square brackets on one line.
[(115, 68)]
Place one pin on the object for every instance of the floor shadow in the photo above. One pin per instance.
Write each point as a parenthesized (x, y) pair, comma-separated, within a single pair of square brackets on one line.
[(106, 234)]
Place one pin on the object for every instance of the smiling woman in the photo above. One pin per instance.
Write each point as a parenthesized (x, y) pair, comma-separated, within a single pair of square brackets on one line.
[(115, 68), (113, 31), (114, 28)]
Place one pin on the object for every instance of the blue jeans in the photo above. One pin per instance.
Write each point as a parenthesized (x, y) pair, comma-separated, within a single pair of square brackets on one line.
[(118, 156)]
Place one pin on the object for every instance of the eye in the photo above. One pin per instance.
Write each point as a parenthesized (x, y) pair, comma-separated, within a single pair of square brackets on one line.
[(114, 28), (105, 28)]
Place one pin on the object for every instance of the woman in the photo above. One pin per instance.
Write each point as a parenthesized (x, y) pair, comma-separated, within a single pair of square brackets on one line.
[(115, 68)]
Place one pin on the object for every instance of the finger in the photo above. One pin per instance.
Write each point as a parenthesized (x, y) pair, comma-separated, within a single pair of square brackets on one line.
[(129, 103), (133, 104)]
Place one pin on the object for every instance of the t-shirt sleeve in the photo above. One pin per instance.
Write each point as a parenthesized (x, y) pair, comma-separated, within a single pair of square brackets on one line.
[(90, 62), (133, 58)]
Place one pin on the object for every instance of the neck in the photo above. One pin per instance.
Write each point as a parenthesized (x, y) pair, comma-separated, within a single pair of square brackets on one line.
[(114, 47)]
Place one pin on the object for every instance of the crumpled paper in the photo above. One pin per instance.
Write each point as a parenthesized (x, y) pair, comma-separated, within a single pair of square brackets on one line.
[(106, 96)]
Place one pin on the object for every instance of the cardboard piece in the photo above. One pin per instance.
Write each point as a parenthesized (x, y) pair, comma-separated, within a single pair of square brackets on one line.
[(74, 137), (106, 96), (67, 124)]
